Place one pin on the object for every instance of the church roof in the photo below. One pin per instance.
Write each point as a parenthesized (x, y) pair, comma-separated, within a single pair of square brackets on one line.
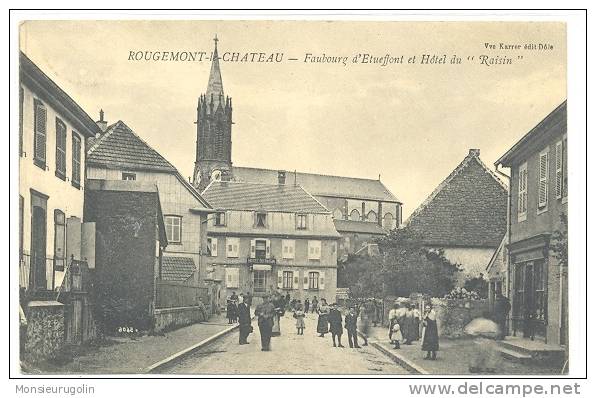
[(215, 84), (467, 209), (232, 195), (121, 148), (320, 184)]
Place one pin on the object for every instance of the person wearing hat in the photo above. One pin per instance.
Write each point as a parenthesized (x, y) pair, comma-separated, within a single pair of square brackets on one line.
[(335, 325), (265, 313), (430, 333), (244, 320), (323, 321), (351, 321)]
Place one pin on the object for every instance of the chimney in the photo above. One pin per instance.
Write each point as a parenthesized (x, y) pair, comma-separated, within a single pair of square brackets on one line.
[(103, 125), (281, 177), (474, 152)]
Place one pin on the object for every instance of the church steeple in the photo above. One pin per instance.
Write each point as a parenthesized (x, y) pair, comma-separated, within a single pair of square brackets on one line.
[(214, 130), (215, 84)]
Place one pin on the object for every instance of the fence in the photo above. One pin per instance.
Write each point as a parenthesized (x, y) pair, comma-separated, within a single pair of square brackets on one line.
[(178, 294)]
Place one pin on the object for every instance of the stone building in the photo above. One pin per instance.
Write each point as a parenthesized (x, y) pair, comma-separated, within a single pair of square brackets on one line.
[(538, 286), (271, 237), (465, 215), (363, 209), (119, 154)]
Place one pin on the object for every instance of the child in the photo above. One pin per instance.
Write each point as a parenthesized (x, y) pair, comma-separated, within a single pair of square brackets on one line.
[(299, 315), (395, 336)]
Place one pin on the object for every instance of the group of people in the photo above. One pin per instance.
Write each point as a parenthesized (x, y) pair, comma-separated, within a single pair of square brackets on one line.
[(404, 327), (307, 306), (233, 306)]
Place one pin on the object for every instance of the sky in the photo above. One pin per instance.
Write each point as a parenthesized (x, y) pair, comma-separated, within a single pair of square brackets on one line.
[(410, 123)]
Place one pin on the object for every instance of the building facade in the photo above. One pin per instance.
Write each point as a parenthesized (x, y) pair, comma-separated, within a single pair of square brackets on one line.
[(271, 238), (538, 279), (53, 130), (465, 215), (119, 154)]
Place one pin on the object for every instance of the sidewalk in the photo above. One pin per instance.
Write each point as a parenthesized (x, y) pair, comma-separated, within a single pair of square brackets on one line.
[(125, 355), (453, 357)]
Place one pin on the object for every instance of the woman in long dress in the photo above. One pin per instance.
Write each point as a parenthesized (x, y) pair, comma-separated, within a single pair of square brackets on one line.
[(430, 333), (364, 323), (323, 322)]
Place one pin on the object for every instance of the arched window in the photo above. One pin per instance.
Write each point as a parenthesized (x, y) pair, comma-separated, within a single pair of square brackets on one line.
[(371, 216), (388, 221), (338, 214), (355, 215)]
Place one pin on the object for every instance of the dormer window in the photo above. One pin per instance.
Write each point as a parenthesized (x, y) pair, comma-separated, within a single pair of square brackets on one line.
[(220, 219), (300, 221), (261, 220)]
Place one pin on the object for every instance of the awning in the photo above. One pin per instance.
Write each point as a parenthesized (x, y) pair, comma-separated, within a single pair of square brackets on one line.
[(261, 267)]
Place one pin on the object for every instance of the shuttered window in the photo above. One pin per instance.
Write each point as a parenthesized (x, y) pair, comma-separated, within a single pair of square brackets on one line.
[(40, 130), (543, 180), (288, 280), (564, 167), (232, 247), (232, 277), (76, 160), (288, 246), (314, 249), (59, 240), (559, 169), (60, 149), (522, 195)]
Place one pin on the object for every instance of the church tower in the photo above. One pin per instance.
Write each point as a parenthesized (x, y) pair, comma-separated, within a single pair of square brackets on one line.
[(214, 131)]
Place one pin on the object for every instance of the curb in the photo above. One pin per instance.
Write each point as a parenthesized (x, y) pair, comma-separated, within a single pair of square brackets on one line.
[(400, 360), (187, 351)]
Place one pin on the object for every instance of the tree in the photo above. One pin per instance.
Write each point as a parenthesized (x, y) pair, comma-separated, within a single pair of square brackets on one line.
[(477, 284), (405, 266), (559, 242)]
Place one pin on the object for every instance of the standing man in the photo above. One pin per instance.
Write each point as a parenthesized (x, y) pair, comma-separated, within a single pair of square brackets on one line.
[(351, 326), (265, 313), (244, 321), (234, 297), (315, 304), (306, 305), (248, 299), (335, 325), (502, 308)]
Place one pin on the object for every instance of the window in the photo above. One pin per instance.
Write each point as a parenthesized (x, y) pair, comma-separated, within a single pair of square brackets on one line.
[(300, 221), (40, 115), (543, 180), (76, 160), (288, 248), (313, 280), (388, 221), (232, 245), (212, 247), (220, 219), (21, 216), (522, 193), (59, 240), (232, 277), (173, 228), (259, 281), (561, 169), (261, 220), (261, 248), (355, 215), (60, 149), (288, 280), (314, 249), (129, 176), (372, 216)]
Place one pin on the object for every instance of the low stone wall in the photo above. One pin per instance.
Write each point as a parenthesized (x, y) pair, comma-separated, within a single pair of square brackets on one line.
[(173, 318), (45, 330), (454, 315)]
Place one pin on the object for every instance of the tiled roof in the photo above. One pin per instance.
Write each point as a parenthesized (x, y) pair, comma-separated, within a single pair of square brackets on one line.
[(177, 268), (234, 195), (468, 209), (363, 227), (320, 184), (120, 147)]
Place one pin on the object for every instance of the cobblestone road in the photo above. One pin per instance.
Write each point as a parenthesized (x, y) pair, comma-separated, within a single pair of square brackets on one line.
[(291, 354)]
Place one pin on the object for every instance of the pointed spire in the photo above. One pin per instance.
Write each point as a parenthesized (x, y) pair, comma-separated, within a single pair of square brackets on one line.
[(215, 85)]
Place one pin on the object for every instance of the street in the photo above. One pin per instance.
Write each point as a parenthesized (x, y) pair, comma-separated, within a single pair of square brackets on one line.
[(290, 354)]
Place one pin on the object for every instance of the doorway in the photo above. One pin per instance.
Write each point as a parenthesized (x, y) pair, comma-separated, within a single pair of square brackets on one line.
[(37, 279)]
